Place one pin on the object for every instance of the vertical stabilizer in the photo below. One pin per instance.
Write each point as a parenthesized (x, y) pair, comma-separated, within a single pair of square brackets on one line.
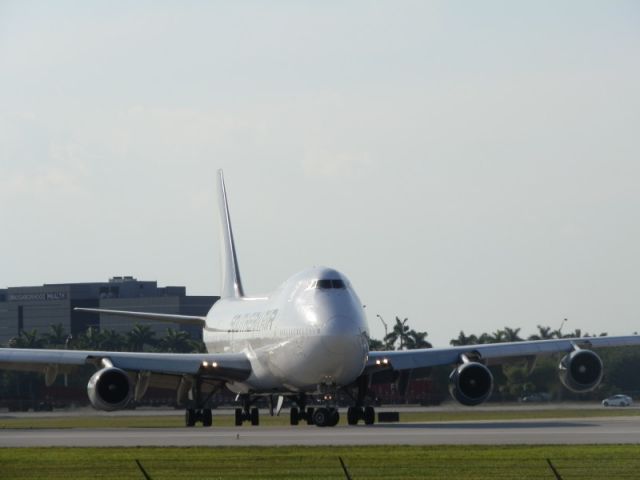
[(231, 283)]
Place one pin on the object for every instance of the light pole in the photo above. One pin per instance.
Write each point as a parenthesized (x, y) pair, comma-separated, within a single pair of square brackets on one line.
[(386, 328), (561, 325)]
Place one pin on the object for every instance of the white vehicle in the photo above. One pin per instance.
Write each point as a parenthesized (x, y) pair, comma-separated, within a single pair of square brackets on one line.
[(617, 401), (309, 337)]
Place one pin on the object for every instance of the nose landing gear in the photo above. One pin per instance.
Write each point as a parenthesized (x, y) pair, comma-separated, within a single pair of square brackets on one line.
[(326, 417)]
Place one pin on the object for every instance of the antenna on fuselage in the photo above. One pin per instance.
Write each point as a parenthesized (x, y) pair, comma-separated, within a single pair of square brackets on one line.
[(231, 283)]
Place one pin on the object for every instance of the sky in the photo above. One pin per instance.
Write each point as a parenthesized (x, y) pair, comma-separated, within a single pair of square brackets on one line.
[(467, 165)]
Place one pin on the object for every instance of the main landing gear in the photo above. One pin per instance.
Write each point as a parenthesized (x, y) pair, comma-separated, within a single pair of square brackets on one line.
[(197, 411), (366, 414), (193, 416), (247, 413), (301, 412), (359, 411)]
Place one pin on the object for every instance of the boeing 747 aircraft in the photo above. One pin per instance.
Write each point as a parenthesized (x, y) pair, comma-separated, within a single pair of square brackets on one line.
[(308, 338)]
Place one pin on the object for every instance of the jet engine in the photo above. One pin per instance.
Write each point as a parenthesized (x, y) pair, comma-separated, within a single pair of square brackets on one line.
[(581, 371), (470, 383), (110, 389)]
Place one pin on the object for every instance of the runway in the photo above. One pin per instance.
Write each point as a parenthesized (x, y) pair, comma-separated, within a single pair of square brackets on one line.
[(530, 432)]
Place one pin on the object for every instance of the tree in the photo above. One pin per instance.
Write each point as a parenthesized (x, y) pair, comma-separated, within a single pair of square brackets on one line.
[(544, 333), (27, 339), (111, 340), (376, 345), (399, 333), (56, 337), (417, 340), (511, 334), (499, 336), (464, 340), (88, 340), (176, 341), (140, 336)]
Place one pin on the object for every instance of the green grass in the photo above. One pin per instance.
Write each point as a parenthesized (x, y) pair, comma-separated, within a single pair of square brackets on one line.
[(386, 462), (177, 420)]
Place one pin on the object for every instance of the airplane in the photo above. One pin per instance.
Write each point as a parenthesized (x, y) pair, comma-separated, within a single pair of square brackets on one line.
[(307, 339)]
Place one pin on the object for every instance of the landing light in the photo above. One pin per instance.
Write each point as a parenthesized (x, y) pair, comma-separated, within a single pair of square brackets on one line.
[(205, 364), (384, 361)]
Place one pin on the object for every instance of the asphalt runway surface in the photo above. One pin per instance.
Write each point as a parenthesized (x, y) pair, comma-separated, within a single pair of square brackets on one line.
[(511, 432)]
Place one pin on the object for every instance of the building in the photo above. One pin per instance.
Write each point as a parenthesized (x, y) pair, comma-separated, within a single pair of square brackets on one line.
[(28, 308)]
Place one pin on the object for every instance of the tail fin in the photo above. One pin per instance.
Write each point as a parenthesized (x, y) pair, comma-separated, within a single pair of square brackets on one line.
[(231, 283)]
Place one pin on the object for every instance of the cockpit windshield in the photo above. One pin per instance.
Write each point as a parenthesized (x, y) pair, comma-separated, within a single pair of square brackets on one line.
[(325, 284)]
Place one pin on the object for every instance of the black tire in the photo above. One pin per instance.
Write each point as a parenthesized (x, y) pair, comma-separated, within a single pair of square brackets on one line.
[(189, 417), (321, 417), (207, 417), (353, 415), (606, 404), (255, 417), (295, 416), (309, 416), (334, 417), (239, 417), (369, 416)]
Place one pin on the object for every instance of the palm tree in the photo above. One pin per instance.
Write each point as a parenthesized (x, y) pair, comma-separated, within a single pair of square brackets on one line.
[(499, 336), (56, 337), (376, 345), (27, 339), (399, 333), (176, 341), (417, 340), (140, 336), (544, 333), (88, 340), (464, 339), (111, 340), (511, 334)]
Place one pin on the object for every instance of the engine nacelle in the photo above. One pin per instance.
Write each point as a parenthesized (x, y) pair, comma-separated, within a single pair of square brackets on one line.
[(110, 389), (471, 383), (581, 371)]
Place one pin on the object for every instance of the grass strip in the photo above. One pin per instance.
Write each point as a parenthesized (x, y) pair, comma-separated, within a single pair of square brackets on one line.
[(372, 462)]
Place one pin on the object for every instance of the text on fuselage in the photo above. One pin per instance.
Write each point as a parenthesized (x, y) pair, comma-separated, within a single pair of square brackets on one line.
[(254, 321)]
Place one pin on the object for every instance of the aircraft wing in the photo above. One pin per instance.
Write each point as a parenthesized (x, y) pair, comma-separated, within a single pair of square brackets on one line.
[(214, 366), (491, 352), (156, 317)]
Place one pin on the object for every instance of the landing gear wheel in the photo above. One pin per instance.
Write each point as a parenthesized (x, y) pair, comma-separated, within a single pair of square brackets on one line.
[(321, 417), (354, 414), (239, 417), (189, 417), (294, 416), (369, 416), (310, 416), (207, 418), (255, 417)]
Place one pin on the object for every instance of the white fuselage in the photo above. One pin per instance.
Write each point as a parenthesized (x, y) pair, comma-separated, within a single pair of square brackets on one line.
[(311, 332)]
